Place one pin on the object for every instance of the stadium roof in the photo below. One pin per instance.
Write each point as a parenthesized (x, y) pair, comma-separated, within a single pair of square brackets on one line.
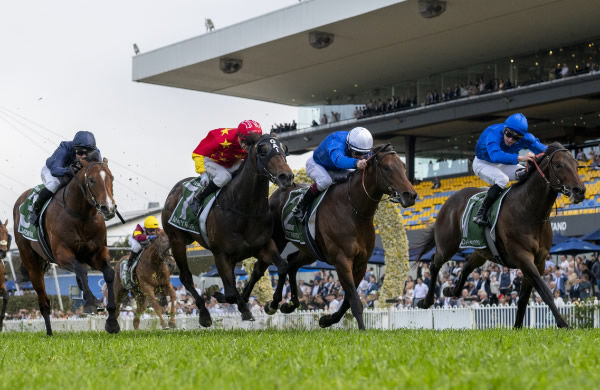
[(279, 65)]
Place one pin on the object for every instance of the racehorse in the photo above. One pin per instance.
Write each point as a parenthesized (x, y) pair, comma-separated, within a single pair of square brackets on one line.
[(4, 247), (239, 225), (151, 275), (344, 230), (76, 232), (523, 231)]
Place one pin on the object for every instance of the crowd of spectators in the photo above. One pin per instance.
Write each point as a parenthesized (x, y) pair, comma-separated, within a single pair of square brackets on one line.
[(283, 127)]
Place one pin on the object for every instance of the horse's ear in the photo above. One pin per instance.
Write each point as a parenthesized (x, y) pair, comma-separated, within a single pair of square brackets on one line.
[(105, 160), (6, 222)]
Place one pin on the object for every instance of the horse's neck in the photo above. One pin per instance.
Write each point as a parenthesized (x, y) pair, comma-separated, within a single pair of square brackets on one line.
[(249, 189), (75, 200), (363, 203), (534, 196)]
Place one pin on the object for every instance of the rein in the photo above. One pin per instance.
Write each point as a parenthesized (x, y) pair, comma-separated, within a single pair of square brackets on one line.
[(91, 200), (557, 186)]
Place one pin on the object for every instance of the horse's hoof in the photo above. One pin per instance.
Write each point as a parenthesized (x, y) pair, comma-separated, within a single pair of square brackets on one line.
[(247, 316), (206, 321), (220, 297), (287, 308), (172, 325), (326, 321), (112, 326), (449, 292), (270, 310), (422, 304)]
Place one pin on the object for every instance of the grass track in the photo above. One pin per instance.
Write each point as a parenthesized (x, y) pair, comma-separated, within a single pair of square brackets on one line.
[(493, 359)]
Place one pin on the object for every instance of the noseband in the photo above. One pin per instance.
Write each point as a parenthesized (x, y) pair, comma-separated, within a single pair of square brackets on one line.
[(553, 181), (394, 195), (262, 162)]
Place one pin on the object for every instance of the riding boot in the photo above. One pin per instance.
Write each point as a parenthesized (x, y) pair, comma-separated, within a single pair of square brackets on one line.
[(41, 200), (299, 211), (200, 195), (482, 215), (132, 256)]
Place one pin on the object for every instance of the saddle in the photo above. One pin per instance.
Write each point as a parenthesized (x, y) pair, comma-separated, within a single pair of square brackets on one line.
[(31, 231), (126, 273), (473, 235)]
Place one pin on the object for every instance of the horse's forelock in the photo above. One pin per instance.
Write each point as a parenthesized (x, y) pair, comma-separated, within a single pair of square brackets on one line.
[(251, 138), (93, 156)]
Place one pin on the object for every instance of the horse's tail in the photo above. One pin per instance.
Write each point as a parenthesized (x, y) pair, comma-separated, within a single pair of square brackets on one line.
[(427, 241)]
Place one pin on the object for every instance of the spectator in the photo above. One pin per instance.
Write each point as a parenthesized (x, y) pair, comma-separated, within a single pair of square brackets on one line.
[(421, 290)]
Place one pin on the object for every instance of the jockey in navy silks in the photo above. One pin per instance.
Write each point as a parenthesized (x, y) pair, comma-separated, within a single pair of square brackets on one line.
[(340, 150), (61, 166), (497, 158)]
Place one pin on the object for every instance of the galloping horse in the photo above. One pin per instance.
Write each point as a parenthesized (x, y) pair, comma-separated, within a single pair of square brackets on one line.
[(4, 247), (239, 224), (523, 232), (74, 222), (344, 229), (151, 275)]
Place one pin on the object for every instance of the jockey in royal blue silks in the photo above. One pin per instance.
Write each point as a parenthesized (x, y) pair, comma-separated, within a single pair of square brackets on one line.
[(58, 169), (497, 158), (340, 150)]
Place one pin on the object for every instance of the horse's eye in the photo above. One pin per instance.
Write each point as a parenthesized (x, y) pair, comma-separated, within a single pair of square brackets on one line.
[(558, 166), (92, 181)]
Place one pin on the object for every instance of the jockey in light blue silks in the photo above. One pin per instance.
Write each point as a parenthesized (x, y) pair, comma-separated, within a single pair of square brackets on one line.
[(58, 168), (497, 158), (340, 150)]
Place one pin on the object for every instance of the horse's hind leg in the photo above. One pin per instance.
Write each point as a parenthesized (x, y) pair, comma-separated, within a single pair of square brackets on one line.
[(438, 261), (185, 275), (476, 260), (36, 275), (4, 302), (225, 269), (148, 291), (171, 291)]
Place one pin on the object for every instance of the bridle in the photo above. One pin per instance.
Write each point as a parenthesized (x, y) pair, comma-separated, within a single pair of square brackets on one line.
[(394, 196), (553, 181), (262, 162), (85, 186)]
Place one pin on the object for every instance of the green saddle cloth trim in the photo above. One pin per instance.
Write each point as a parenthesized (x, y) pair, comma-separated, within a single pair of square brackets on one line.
[(293, 230), (183, 217), (29, 230), (127, 273), (473, 235)]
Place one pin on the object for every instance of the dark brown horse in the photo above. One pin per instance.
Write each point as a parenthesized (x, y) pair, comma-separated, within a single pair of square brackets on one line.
[(151, 276), (344, 230), (4, 247), (523, 232), (74, 222), (239, 224)]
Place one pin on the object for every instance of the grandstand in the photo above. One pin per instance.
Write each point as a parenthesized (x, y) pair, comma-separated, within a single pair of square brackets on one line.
[(428, 83)]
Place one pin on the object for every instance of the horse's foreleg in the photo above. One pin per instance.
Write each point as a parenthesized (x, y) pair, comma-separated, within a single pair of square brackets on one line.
[(81, 275), (148, 291), (343, 268), (169, 288), (524, 295), (434, 269), (474, 261), (140, 301), (295, 261), (112, 325), (4, 303), (185, 276), (225, 269)]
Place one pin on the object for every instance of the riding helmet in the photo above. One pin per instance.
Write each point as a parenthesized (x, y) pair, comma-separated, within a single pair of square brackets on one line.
[(151, 222), (359, 140), (84, 139), (249, 126), (517, 122)]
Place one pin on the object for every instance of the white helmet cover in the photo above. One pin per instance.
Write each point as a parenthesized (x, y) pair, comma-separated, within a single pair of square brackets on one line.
[(360, 140)]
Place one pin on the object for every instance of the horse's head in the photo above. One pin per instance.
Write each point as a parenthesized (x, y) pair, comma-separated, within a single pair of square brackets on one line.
[(390, 175), (560, 168), (96, 181), (270, 154), (162, 246), (4, 240)]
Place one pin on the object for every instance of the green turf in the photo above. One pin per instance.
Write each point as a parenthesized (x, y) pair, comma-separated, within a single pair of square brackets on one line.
[(493, 359)]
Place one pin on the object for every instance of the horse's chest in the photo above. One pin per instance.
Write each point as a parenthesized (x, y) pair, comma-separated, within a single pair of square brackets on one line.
[(85, 247)]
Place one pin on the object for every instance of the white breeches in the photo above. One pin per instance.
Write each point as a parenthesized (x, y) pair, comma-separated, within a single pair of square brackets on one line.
[(495, 173), (218, 173), (52, 183), (319, 174), (136, 247)]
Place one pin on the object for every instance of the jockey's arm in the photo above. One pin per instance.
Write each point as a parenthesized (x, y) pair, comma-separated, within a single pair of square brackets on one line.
[(534, 144), (138, 234), (340, 160), (497, 155), (56, 163)]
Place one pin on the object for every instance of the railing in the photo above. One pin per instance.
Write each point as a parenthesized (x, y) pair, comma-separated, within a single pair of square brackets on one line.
[(536, 316)]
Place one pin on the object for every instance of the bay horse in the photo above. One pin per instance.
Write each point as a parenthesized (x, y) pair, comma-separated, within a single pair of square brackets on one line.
[(4, 247), (523, 231), (74, 222), (345, 232), (239, 224), (151, 276)]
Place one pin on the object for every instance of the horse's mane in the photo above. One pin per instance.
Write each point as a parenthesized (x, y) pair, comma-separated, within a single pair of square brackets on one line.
[(553, 147)]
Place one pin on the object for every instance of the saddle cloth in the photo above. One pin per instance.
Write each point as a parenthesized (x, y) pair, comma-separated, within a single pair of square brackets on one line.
[(29, 230), (473, 234), (126, 273), (183, 218), (293, 230)]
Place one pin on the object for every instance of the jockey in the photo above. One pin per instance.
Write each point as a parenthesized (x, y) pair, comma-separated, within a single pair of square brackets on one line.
[(340, 150), (497, 158), (220, 154), (142, 236), (61, 166)]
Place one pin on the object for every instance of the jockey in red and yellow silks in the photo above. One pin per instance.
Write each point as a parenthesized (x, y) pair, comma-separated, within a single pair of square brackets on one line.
[(220, 154)]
